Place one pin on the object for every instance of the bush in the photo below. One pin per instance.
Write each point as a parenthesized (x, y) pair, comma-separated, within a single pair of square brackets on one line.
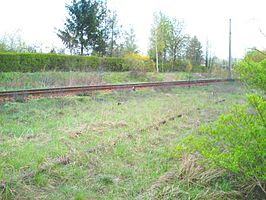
[(113, 64), (34, 62), (253, 73), (237, 141), (255, 56), (178, 66), (199, 69), (136, 62)]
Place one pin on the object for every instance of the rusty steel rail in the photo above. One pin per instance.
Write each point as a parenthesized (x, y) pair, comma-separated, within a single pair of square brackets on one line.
[(64, 91)]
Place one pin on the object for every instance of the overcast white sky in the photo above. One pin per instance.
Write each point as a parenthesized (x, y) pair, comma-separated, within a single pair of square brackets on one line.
[(207, 19)]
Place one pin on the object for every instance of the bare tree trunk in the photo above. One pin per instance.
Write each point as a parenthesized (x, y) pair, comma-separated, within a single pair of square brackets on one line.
[(174, 57), (157, 58), (112, 40)]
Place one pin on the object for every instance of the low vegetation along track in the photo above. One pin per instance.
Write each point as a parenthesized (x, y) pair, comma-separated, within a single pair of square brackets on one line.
[(80, 90)]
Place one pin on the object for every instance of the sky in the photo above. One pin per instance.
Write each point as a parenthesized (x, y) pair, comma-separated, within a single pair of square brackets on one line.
[(37, 21)]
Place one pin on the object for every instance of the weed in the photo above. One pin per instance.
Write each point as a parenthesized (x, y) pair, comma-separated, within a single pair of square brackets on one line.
[(105, 180), (80, 196), (20, 99), (41, 179), (6, 190)]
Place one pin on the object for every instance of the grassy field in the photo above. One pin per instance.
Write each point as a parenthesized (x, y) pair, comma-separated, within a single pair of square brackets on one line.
[(16, 80), (107, 145)]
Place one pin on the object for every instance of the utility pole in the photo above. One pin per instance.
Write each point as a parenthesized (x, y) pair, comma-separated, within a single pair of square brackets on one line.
[(230, 56)]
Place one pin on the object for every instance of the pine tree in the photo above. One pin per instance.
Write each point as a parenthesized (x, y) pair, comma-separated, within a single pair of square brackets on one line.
[(86, 28), (194, 52)]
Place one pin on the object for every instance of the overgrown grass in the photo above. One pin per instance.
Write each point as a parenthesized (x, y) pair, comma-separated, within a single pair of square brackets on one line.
[(106, 145), (17, 80)]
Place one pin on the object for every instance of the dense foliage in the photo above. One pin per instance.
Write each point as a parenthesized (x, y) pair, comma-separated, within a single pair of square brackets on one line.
[(252, 70), (139, 62), (237, 141), (34, 62), (194, 52), (171, 45), (90, 28)]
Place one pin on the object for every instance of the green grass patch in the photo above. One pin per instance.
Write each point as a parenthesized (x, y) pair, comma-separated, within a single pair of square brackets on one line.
[(91, 147)]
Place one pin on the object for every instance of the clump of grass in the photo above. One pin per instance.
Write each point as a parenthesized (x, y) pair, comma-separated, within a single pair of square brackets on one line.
[(105, 180), (194, 181), (20, 99), (7, 191)]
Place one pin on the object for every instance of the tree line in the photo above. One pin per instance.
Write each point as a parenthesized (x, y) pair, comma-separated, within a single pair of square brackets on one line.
[(171, 46), (91, 28)]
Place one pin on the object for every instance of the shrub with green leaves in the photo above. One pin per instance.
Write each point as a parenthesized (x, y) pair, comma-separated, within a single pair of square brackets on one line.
[(36, 62), (237, 141), (253, 73), (255, 55)]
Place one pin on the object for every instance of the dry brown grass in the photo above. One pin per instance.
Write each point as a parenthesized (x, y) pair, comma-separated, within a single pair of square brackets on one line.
[(178, 183), (48, 164), (190, 171)]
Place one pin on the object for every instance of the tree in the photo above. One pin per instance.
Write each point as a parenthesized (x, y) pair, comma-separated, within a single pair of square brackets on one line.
[(86, 28), (194, 52), (177, 40), (113, 36), (13, 42), (252, 70), (167, 39), (129, 45), (159, 36), (3, 46)]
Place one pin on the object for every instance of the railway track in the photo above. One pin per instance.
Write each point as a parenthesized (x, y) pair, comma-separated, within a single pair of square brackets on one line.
[(78, 90)]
